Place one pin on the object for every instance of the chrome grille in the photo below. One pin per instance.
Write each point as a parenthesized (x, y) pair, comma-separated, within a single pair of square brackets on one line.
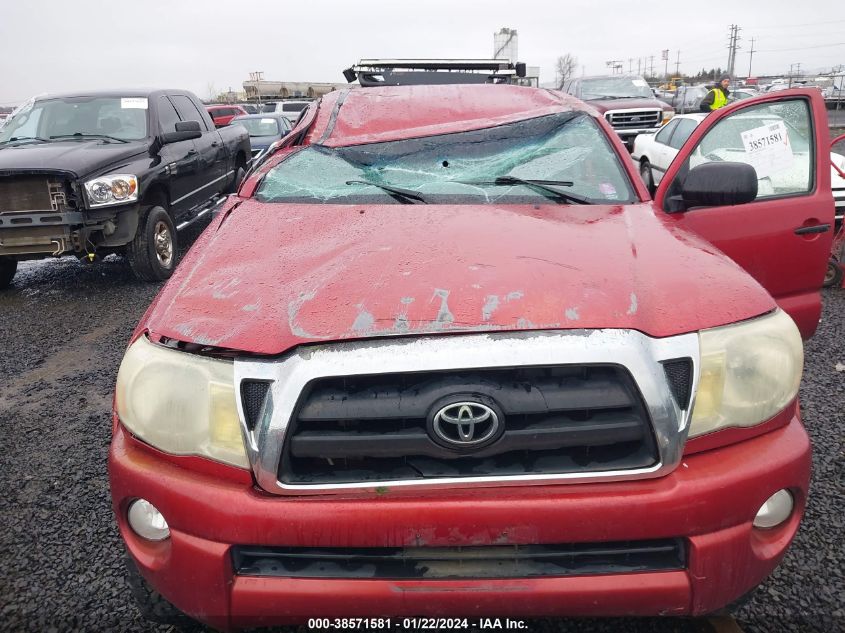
[(628, 119), (629, 359)]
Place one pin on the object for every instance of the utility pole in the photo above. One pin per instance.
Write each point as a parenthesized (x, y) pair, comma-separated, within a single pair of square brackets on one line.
[(750, 56), (651, 63), (666, 64), (678, 65), (732, 48), (640, 66), (797, 67), (630, 65)]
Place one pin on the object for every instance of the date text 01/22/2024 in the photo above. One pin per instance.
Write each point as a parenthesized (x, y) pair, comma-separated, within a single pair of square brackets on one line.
[(419, 624)]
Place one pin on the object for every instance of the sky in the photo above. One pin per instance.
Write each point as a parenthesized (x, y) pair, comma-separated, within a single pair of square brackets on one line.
[(50, 46)]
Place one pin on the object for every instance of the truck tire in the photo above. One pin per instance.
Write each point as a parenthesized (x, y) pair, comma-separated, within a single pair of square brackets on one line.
[(833, 275), (152, 254), (240, 172), (8, 268), (647, 176), (152, 605)]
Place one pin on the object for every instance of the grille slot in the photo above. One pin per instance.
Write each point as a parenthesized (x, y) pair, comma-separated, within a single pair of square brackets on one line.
[(557, 420), (253, 395), (499, 561), (627, 119), (679, 375)]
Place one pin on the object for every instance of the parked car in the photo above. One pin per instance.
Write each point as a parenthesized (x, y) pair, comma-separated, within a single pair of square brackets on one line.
[(222, 115), (626, 101), (291, 108), (538, 372), (742, 93), (251, 108), (653, 153), (686, 99), (264, 130), (92, 173)]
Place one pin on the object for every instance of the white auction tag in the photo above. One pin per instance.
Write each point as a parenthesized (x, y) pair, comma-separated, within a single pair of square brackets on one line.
[(134, 102), (640, 83), (767, 148)]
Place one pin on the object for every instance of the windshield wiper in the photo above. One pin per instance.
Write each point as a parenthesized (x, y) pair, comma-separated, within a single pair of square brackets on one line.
[(405, 196), (546, 187), (81, 135), (15, 139)]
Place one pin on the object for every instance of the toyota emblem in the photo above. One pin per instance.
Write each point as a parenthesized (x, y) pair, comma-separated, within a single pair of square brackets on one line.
[(465, 425)]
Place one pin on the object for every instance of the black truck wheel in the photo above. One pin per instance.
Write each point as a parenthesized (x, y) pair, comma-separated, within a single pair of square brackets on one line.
[(153, 252), (240, 172), (833, 275), (8, 268), (152, 605)]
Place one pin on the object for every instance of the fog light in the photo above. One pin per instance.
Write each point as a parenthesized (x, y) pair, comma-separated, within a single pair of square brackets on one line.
[(147, 522), (775, 511)]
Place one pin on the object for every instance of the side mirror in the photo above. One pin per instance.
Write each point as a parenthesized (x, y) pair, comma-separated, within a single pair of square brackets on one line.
[(185, 131), (719, 184)]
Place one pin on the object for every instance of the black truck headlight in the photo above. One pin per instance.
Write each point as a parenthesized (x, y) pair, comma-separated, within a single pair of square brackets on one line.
[(111, 189)]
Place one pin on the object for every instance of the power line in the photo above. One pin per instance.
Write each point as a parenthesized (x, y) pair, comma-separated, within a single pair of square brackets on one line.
[(792, 26), (800, 48)]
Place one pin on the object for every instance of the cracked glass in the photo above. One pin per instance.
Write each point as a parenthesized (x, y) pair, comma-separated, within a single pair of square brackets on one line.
[(460, 168)]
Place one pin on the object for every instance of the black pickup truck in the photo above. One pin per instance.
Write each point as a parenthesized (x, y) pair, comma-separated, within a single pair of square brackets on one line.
[(94, 173)]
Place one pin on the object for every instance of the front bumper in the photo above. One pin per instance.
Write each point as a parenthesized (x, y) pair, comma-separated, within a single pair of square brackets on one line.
[(710, 501), (628, 135), (28, 234), (39, 232)]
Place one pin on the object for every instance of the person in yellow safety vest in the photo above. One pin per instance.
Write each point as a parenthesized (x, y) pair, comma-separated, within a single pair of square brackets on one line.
[(717, 97)]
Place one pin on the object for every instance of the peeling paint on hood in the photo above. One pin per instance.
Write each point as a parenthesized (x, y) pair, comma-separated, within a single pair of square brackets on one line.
[(262, 284)]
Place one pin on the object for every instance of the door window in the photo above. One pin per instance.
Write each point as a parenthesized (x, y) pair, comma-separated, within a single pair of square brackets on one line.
[(685, 128), (167, 115), (187, 110), (774, 138), (664, 134)]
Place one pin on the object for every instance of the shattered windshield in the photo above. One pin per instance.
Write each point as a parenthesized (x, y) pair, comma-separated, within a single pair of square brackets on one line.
[(566, 148)]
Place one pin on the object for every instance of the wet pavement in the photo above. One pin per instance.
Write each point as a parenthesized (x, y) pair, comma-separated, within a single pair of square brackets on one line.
[(63, 329)]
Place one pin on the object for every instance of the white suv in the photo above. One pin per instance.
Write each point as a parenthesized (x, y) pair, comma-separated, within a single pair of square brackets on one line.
[(289, 108)]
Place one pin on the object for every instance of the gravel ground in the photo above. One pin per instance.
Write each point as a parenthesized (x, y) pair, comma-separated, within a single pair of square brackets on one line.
[(63, 329)]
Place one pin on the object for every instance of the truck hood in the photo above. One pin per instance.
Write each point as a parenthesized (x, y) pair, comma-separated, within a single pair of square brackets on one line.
[(79, 158), (603, 105), (264, 278)]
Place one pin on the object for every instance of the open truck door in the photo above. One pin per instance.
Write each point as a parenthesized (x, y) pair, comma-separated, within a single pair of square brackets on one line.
[(754, 180)]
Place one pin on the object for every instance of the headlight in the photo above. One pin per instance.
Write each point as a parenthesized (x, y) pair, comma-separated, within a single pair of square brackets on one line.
[(180, 403), (667, 115), (749, 372), (112, 189)]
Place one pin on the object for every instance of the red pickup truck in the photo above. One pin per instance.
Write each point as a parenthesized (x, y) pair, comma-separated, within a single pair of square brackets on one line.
[(538, 393)]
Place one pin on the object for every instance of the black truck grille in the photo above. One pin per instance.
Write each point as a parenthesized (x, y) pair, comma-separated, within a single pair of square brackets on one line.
[(622, 119), (563, 419), (434, 563), (34, 193)]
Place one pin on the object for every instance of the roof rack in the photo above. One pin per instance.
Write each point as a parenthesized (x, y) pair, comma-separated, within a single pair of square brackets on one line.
[(414, 72)]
